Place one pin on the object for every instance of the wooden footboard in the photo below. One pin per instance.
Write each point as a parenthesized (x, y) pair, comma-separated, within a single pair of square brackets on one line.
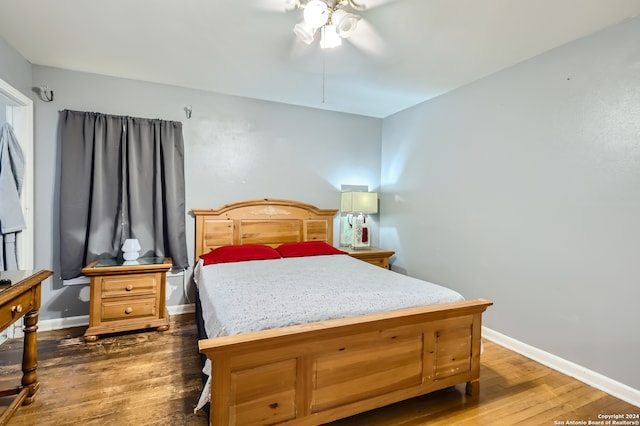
[(315, 373)]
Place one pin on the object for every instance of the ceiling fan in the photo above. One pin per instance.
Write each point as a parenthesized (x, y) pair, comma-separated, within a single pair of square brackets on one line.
[(334, 21)]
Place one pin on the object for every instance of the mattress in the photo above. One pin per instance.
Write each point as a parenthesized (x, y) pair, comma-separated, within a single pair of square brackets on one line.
[(250, 296)]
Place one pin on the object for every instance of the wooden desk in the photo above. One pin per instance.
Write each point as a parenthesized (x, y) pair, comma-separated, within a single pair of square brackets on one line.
[(20, 299)]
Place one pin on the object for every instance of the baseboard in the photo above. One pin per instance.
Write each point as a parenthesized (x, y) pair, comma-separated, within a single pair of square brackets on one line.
[(83, 320), (591, 378), (52, 324), (181, 309)]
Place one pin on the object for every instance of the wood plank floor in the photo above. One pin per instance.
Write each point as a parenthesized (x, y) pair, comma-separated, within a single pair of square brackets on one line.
[(151, 378)]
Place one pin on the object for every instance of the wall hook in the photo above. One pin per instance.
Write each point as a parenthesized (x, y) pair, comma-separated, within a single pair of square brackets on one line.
[(188, 109), (44, 93)]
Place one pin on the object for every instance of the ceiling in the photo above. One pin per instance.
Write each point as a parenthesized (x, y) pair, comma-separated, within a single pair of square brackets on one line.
[(403, 53)]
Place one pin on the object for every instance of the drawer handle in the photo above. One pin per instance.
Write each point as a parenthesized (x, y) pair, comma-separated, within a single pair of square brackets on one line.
[(129, 287), (16, 309), (128, 310)]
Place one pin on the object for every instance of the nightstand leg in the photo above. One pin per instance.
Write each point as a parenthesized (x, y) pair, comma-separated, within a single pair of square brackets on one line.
[(473, 388), (164, 327)]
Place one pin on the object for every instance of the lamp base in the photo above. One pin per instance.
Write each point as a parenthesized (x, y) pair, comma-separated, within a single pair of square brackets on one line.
[(130, 255), (360, 233)]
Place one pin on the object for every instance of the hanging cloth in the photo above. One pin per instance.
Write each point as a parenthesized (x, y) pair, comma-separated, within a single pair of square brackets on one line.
[(11, 216)]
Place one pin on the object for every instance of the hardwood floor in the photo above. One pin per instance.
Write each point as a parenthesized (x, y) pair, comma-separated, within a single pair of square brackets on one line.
[(143, 378), (152, 378)]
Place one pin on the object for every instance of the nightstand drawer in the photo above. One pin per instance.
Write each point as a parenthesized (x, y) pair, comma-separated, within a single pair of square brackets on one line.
[(382, 262), (374, 255), (128, 285), (126, 309)]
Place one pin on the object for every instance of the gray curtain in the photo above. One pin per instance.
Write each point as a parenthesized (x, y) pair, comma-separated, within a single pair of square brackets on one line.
[(121, 177)]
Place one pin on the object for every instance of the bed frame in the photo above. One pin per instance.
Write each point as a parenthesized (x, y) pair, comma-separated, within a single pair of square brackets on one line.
[(315, 373)]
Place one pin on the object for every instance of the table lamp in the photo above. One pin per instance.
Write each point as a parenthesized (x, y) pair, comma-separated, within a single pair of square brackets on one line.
[(131, 249)]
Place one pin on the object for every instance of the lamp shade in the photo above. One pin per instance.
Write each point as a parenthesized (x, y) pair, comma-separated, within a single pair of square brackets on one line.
[(345, 22), (131, 244), (316, 13), (305, 32), (359, 202)]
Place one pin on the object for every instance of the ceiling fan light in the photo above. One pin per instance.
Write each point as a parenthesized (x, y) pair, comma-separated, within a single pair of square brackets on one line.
[(329, 37), (304, 32), (345, 22), (316, 13)]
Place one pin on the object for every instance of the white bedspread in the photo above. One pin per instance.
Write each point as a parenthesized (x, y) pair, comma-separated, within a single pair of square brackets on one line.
[(256, 295)]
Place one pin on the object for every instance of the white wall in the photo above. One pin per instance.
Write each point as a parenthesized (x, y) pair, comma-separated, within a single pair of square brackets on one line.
[(15, 69), (235, 149), (524, 188), (3, 109)]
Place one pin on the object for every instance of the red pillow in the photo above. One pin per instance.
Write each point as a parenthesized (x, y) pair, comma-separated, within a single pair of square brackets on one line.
[(307, 248), (226, 254)]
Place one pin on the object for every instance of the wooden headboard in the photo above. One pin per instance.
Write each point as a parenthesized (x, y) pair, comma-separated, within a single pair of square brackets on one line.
[(265, 221)]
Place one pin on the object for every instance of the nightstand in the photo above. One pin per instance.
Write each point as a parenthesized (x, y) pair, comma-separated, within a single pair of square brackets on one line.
[(127, 295), (374, 255)]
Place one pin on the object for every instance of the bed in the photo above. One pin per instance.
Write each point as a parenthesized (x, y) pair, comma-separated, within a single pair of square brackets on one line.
[(317, 372)]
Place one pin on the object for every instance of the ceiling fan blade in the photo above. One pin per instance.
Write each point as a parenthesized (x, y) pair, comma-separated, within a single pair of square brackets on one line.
[(298, 49), (372, 4), (277, 5), (368, 40), (289, 5)]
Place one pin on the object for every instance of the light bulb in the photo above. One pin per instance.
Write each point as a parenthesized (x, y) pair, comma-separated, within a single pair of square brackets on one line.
[(330, 37)]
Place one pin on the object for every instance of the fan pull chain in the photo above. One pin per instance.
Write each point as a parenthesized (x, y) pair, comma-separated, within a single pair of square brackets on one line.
[(323, 75)]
